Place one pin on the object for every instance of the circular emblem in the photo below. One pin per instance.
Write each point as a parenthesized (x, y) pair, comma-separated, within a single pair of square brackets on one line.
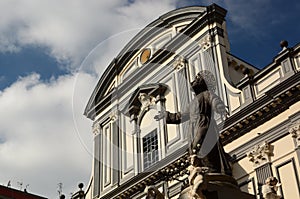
[(145, 55)]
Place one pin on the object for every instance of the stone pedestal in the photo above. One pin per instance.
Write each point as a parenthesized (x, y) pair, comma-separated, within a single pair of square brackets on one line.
[(218, 186)]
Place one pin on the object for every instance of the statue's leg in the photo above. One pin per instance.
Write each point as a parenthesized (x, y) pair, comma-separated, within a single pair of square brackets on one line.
[(197, 140), (225, 159), (212, 160)]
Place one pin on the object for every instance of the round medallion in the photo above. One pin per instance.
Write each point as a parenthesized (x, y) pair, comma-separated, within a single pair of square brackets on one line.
[(145, 55)]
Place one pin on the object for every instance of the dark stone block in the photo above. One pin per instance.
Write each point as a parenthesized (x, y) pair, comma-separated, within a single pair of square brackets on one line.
[(219, 186)]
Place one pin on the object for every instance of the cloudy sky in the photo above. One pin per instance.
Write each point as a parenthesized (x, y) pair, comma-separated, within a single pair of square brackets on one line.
[(52, 54)]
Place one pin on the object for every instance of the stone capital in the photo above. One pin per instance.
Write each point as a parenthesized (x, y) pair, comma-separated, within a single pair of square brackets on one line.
[(261, 154), (113, 115), (205, 42), (96, 128), (294, 130), (179, 63)]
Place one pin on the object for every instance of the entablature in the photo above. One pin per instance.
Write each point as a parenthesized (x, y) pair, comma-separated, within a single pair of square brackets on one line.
[(272, 103)]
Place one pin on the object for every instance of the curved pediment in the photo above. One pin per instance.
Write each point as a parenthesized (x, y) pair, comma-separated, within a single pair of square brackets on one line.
[(144, 96), (150, 45)]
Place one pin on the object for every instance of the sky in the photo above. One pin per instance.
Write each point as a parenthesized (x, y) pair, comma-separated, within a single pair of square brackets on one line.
[(53, 52)]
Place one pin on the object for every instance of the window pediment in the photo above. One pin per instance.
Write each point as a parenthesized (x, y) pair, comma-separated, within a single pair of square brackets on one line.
[(145, 96)]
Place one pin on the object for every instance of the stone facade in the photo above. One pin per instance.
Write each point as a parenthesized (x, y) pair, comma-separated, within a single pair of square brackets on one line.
[(134, 151)]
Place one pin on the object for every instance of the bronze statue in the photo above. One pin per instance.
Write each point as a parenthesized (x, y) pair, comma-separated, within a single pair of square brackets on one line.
[(203, 131)]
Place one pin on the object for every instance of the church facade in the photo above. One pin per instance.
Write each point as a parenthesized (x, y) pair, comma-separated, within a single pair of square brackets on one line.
[(152, 74)]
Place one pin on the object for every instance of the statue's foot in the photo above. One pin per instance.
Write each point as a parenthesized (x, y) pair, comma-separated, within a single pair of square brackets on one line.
[(195, 195)]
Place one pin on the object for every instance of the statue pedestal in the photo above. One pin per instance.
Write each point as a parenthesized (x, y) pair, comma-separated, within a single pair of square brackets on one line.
[(218, 186)]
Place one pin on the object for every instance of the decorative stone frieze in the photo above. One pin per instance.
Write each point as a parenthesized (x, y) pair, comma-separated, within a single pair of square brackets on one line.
[(294, 130), (261, 154), (179, 63)]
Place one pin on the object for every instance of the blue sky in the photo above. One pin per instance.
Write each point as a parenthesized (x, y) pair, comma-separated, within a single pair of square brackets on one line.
[(44, 51), (255, 29), (29, 59)]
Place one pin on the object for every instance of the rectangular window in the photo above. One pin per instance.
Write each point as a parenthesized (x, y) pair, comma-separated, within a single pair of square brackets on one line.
[(97, 165), (297, 61), (106, 152), (287, 176), (150, 149), (127, 145)]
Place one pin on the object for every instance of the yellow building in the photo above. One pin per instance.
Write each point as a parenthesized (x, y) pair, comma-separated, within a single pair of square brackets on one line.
[(151, 74)]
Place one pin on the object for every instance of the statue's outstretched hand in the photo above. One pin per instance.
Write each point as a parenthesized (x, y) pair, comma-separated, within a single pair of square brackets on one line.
[(222, 110), (161, 115)]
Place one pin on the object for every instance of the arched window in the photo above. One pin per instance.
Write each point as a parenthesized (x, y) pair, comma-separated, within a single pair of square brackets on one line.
[(144, 104)]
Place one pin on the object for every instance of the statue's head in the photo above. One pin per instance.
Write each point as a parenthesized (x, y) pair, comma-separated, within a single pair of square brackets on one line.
[(204, 80), (199, 84), (150, 190), (195, 160), (271, 181)]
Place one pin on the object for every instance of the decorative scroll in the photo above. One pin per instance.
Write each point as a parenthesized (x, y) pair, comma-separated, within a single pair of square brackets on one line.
[(113, 115), (146, 101), (197, 178), (96, 128)]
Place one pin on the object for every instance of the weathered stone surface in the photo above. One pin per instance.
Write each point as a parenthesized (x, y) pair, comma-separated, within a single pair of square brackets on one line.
[(219, 186)]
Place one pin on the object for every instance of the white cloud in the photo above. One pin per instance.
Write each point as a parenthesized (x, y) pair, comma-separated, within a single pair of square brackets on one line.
[(71, 28), (40, 144)]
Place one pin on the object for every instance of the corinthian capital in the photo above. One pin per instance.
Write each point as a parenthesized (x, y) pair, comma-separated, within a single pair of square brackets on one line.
[(179, 63), (205, 42), (261, 154), (96, 128), (294, 130)]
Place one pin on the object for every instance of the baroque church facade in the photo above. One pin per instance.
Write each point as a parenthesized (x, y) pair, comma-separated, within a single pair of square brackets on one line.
[(152, 73)]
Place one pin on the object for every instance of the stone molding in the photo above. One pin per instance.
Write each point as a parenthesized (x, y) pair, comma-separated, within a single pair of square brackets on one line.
[(144, 97)]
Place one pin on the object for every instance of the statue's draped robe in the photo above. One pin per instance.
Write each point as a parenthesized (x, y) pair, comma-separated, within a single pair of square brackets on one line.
[(203, 132)]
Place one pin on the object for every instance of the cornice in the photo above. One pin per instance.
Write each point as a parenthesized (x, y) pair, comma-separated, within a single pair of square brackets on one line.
[(274, 102)]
